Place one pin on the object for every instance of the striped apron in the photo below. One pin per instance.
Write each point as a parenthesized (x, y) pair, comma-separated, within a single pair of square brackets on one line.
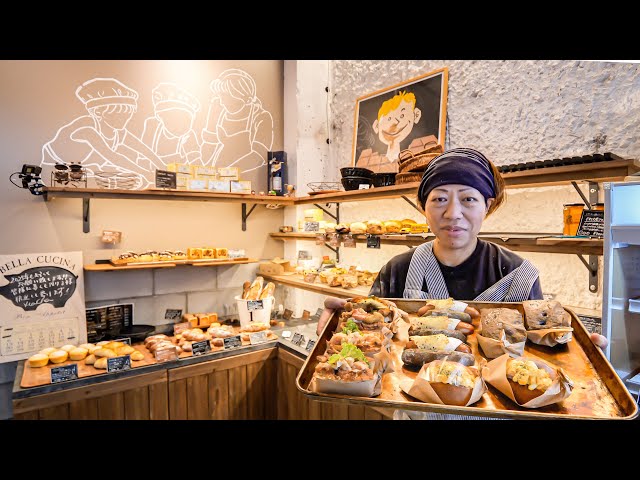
[(424, 268)]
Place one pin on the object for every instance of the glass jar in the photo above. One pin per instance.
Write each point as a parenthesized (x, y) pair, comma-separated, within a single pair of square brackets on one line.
[(571, 216)]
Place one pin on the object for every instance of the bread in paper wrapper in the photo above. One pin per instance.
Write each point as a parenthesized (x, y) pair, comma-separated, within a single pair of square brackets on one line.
[(501, 331), (465, 384), (547, 322), (339, 378), (495, 373), (369, 342), (373, 313)]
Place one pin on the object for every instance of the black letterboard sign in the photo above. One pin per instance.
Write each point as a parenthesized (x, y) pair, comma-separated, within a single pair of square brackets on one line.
[(35, 286), (255, 305), (591, 224), (232, 342), (297, 339), (165, 179), (118, 364), (373, 241), (258, 337), (310, 345), (200, 348), (64, 373), (171, 314)]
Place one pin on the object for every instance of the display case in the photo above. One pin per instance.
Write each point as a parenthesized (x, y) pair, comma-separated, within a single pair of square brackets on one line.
[(621, 298)]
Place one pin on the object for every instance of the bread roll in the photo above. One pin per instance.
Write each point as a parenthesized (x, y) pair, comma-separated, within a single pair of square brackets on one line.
[(90, 360), (38, 360), (375, 227), (452, 381), (494, 320), (67, 348), (101, 363), (88, 346), (125, 350), (102, 343), (78, 354), (358, 228), (104, 352), (541, 314), (527, 380), (136, 356), (330, 227), (59, 356), (392, 226), (114, 345), (47, 351)]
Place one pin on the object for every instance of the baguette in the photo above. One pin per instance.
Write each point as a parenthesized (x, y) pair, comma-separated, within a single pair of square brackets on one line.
[(255, 288), (267, 291)]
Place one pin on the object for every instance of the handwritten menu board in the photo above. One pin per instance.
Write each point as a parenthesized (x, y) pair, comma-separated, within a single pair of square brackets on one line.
[(64, 373), (165, 179), (591, 224), (106, 322), (41, 302)]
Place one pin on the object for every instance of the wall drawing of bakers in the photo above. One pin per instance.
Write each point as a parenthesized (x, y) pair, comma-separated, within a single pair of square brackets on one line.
[(100, 141), (238, 130)]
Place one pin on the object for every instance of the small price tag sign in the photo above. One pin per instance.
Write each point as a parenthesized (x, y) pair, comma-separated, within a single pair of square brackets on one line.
[(173, 314), (373, 241), (287, 314), (119, 364), (311, 226), (348, 241), (200, 348), (310, 345), (178, 328), (364, 186), (297, 339), (258, 337), (64, 373), (320, 239), (168, 354), (165, 179), (232, 342), (123, 340), (255, 305)]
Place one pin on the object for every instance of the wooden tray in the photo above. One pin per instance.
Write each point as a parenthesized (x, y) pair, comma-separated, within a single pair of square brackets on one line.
[(34, 377), (598, 392)]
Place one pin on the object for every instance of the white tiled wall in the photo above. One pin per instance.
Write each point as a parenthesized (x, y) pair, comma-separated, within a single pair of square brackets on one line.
[(108, 285)]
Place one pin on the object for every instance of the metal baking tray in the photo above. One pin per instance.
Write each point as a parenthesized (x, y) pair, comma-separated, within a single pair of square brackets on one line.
[(598, 392)]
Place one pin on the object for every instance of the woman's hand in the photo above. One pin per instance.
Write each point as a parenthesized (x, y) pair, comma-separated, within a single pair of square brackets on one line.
[(331, 304), (599, 340)]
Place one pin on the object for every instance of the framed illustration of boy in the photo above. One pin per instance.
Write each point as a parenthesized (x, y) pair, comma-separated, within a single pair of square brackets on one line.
[(407, 115)]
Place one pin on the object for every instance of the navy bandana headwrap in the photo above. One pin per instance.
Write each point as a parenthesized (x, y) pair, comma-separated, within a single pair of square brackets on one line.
[(462, 166)]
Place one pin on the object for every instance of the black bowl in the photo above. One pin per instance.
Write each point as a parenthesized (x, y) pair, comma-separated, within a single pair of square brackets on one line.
[(383, 179), (353, 183), (356, 172)]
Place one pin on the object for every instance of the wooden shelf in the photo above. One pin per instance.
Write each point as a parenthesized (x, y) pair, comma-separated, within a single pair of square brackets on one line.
[(298, 282), (110, 268), (393, 191), (159, 194), (520, 242)]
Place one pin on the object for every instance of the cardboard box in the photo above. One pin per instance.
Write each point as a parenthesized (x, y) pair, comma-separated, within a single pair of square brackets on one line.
[(180, 168), (200, 172), (277, 266), (182, 180), (242, 186), (228, 173), (220, 186), (197, 185)]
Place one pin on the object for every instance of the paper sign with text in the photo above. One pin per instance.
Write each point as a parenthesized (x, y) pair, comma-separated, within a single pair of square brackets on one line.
[(41, 303)]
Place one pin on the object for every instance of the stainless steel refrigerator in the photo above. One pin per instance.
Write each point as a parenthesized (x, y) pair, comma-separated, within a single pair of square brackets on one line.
[(621, 297)]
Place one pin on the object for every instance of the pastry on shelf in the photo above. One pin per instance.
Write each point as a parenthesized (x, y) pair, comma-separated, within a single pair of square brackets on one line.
[(124, 258), (165, 256), (358, 228), (375, 227), (330, 227), (179, 255), (392, 226), (194, 253), (342, 228), (150, 256), (208, 252), (222, 253)]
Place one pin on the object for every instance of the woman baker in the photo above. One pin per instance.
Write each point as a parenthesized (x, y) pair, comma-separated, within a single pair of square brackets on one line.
[(459, 189)]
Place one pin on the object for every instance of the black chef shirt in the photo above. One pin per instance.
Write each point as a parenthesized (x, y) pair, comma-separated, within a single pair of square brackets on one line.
[(487, 265)]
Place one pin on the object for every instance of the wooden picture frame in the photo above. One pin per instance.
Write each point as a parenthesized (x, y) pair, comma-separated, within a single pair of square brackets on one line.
[(413, 112)]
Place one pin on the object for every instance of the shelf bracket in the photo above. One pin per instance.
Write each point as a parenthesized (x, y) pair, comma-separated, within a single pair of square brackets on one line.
[(412, 204), (334, 250), (245, 215), (593, 193), (336, 217), (86, 225), (592, 266)]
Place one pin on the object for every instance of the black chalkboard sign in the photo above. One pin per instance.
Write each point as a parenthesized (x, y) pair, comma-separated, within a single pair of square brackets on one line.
[(591, 224), (232, 342), (255, 305), (172, 314), (118, 364), (64, 373), (297, 339), (39, 285), (200, 348), (165, 179), (310, 345), (108, 321), (373, 241)]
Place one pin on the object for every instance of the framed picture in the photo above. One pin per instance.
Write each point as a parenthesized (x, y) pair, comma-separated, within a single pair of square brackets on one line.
[(410, 114)]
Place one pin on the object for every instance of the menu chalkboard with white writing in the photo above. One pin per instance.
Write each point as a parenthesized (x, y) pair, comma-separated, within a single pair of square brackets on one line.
[(39, 285), (108, 321), (591, 224), (165, 179)]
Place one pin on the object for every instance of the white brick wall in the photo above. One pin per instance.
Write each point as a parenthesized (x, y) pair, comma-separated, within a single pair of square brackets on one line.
[(185, 279), (107, 285)]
